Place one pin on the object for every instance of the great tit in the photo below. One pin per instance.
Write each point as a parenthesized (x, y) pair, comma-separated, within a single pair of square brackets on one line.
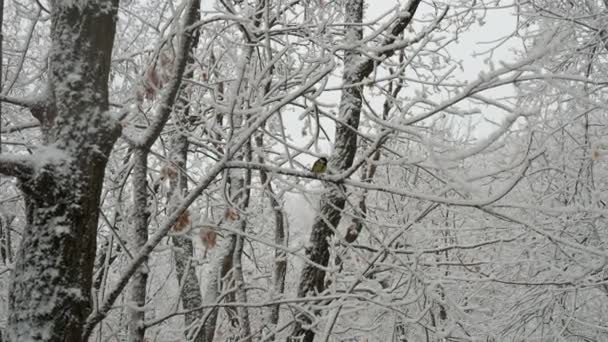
[(320, 166)]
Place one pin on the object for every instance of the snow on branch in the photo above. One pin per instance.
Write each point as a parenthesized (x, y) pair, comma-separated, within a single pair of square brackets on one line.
[(342, 179), (405, 18), (25, 166), (18, 128), (21, 102), (146, 249), (18, 166), (240, 140), (170, 95), (37, 105)]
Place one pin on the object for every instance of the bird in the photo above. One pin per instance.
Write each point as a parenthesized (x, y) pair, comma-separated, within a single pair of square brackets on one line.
[(320, 166)]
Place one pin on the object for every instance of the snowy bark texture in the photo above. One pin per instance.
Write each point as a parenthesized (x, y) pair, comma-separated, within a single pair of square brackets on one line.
[(228, 281), (138, 238), (186, 273), (280, 238), (332, 203), (214, 287), (140, 192), (356, 68), (49, 295), (239, 279)]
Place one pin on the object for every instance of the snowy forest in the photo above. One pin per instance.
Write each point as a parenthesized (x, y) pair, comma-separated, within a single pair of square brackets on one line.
[(314, 170)]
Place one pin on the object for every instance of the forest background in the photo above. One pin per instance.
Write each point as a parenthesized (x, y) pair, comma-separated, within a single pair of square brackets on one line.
[(156, 185)]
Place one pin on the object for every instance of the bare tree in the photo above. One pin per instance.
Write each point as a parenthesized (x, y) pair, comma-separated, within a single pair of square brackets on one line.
[(140, 174), (185, 270)]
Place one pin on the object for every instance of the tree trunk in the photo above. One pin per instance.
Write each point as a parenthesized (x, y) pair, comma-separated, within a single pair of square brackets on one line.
[(138, 236), (212, 292), (356, 68), (280, 229), (191, 295), (231, 255), (237, 203), (6, 250), (280, 238), (140, 188), (239, 279), (345, 147), (49, 295)]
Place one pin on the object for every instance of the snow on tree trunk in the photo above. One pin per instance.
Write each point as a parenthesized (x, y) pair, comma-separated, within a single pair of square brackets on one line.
[(280, 237), (228, 270), (50, 289), (213, 291), (191, 293), (138, 236), (186, 273), (239, 280)]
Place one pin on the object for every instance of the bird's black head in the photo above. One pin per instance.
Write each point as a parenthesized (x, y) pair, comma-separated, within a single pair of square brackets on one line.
[(323, 160)]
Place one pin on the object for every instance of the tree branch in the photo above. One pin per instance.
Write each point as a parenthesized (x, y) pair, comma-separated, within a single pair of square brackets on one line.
[(12, 129), (406, 16), (240, 140), (38, 106), (16, 166), (21, 102), (170, 95)]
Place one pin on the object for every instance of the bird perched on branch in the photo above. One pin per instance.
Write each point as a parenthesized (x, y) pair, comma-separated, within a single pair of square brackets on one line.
[(320, 166)]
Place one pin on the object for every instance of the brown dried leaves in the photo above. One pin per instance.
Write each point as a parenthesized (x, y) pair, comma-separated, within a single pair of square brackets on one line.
[(183, 221), (208, 237)]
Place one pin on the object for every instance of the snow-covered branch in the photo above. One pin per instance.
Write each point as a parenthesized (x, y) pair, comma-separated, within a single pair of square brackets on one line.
[(18, 166), (21, 127), (238, 142), (387, 49), (169, 96), (342, 179), (21, 102)]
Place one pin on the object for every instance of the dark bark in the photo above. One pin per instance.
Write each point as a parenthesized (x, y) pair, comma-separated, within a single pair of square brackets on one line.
[(353, 231), (215, 286), (224, 262), (104, 259), (6, 250), (186, 273), (191, 293), (239, 279), (280, 238), (240, 193), (49, 294), (1, 59), (138, 238), (312, 278)]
